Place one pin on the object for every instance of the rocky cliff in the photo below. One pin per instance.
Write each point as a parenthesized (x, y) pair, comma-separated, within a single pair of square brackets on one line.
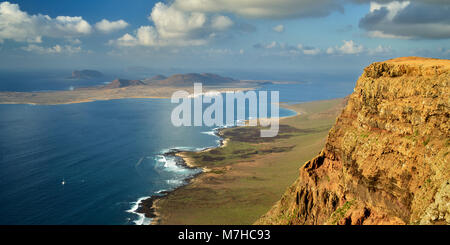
[(386, 160)]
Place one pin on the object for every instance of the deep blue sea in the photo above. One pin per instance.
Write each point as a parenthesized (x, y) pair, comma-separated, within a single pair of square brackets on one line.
[(109, 154), (38, 81)]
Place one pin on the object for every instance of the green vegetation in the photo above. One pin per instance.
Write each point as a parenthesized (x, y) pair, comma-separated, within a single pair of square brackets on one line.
[(248, 175), (364, 135), (340, 212), (244, 143)]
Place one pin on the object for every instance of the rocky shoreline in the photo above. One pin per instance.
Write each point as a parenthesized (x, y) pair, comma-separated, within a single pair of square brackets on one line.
[(148, 206)]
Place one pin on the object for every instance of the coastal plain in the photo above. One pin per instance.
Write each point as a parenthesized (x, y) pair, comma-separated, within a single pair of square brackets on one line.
[(244, 177), (89, 95)]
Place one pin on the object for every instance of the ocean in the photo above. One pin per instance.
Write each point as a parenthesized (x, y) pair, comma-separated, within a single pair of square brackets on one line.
[(40, 81), (90, 163)]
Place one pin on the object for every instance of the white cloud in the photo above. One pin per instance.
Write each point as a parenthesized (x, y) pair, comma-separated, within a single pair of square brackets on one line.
[(392, 7), (224, 51), (147, 36), (126, 40), (380, 50), (68, 25), (173, 23), (221, 22), (284, 49), (107, 26), (57, 49), (349, 47), (22, 27), (424, 19), (268, 9), (380, 34), (174, 27), (221, 52), (271, 45), (75, 41), (278, 28), (313, 51)]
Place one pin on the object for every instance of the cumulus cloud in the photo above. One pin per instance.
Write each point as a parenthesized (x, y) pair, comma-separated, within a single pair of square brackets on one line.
[(349, 47), (221, 22), (278, 28), (408, 19), (266, 9), (352, 48), (20, 26), (107, 26), (173, 23), (268, 45), (311, 51), (380, 34), (288, 50), (75, 41), (220, 52), (174, 27), (57, 49), (380, 50)]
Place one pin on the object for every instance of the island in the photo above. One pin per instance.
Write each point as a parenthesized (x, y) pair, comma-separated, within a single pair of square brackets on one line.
[(155, 87), (86, 74)]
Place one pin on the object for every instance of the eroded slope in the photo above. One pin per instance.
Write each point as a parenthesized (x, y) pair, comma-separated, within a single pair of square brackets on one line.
[(386, 159)]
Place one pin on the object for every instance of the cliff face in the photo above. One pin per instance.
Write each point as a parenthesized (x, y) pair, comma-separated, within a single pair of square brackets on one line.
[(386, 160)]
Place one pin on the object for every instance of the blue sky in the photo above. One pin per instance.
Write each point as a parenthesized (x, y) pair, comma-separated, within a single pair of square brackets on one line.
[(204, 35)]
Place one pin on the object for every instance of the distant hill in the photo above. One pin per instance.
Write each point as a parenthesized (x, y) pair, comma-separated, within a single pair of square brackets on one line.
[(189, 79), (154, 79), (186, 80), (121, 83), (178, 80), (86, 74)]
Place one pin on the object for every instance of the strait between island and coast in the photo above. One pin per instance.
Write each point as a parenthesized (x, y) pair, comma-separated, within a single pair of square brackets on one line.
[(163, 88), (155, 87)]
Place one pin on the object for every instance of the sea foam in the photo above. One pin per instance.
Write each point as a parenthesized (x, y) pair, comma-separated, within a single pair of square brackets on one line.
[(141, 220)]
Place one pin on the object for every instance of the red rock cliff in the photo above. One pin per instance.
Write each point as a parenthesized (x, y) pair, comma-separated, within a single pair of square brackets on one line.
[(386, 160)]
